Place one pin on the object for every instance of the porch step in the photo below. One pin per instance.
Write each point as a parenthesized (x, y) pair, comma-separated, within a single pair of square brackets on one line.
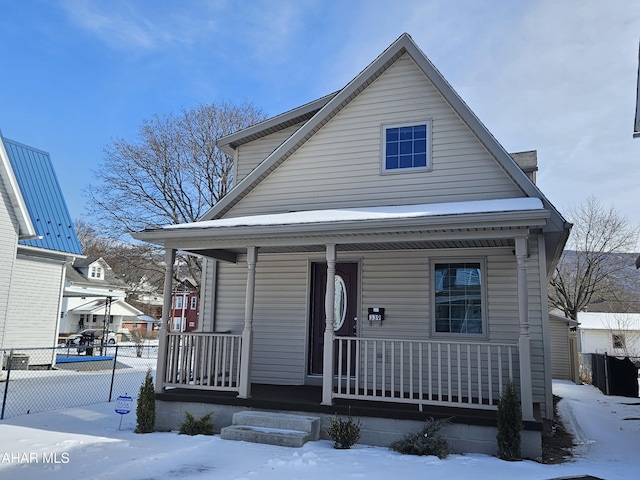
[(282, 429)]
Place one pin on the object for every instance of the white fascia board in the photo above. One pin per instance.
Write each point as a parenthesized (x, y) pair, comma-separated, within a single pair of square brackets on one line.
[(77, 291), (27, 230)]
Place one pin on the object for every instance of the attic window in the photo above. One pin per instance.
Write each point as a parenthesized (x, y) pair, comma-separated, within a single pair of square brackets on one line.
[(96, 272), (406, 147)]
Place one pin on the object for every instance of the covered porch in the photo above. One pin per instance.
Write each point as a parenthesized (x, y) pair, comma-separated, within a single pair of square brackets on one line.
[(418, 373)]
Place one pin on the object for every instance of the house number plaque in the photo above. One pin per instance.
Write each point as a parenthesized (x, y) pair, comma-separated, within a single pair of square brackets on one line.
[(376, 314)]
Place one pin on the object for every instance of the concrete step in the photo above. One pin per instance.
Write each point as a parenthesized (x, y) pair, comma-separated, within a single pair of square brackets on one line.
[(280, 429), (281, 438)]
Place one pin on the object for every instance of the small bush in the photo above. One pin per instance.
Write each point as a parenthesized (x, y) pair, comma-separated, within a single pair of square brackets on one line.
[(344, 433), (146, 408), (509, 425), (426, 442), (193, 426)]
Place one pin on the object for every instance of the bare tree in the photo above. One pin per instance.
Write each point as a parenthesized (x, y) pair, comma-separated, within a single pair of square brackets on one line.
[(625, 336), (138, 265), (587, 269), (173, 173)]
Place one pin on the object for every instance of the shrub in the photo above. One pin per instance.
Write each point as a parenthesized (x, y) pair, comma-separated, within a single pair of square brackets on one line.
[(344, 433), (193, 426), (509, 424), (146, 409), (426, 442)]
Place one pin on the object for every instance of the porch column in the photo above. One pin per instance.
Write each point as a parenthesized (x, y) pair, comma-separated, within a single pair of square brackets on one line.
[(329, 299), (163, 344), (524, 341), (247, 332)]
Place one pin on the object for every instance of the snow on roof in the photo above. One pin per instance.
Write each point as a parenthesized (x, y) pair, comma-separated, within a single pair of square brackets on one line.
[(371, 213), (609, 321)]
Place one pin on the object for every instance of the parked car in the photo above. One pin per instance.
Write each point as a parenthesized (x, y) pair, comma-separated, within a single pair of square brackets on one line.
[(95, 333)]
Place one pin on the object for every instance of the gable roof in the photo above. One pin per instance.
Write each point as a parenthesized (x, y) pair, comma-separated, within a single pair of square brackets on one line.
[(26, 230), (557, 229), (295, 116), (43, 199), (337, 101), (109, 280)]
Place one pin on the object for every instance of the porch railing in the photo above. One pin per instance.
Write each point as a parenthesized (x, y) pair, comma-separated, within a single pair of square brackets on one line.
[(208, 361), (471, 375)]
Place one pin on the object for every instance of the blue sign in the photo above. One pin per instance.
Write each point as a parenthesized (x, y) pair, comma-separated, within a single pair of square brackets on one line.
[(123, 404)]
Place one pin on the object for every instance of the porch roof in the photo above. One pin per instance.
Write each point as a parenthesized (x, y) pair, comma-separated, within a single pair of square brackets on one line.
[(441, 225), (97, 307)]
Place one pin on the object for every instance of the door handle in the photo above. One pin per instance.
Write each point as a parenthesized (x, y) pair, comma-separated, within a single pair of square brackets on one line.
[(355, 326)]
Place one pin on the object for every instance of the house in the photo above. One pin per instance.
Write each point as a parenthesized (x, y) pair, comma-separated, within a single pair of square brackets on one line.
[(94, 297), (380, 254), (616, 334), (37, 244), (185, 306)]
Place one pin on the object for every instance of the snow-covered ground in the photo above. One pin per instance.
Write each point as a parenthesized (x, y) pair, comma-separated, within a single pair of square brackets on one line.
[(90, 443), (70, 385)]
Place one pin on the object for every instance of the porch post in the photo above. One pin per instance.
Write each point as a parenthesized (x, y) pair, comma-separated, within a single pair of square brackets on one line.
[(163, 344), (524, 341), (329, 298), (247, 333)]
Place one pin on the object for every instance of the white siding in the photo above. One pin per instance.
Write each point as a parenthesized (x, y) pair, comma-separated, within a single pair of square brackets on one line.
[(396, 280), (8, 249), (280, 314), (251, 154), (34, 303), (559, 344), (208, 295), (340, 164), (601, 341)]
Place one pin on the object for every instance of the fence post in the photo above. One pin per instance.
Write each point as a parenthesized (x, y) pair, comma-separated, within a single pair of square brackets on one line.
[(113, 372), (606, 372), (6, 385)]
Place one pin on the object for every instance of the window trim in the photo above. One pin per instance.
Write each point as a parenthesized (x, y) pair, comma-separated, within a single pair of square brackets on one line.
[(484, 335), (383, 147), (95, 272)]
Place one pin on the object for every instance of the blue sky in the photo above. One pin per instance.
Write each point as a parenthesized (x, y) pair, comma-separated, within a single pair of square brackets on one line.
[(556, 76)]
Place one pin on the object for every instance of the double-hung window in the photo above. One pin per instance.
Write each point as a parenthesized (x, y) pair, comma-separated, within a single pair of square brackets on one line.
[(458, 297), (406, 147)]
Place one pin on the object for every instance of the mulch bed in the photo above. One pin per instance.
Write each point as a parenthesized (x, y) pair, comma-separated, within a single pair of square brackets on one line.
[(557, 443)]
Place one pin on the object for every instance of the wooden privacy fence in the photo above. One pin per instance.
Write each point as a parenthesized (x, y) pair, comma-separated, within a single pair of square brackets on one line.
[(209, 361), (471, 375)]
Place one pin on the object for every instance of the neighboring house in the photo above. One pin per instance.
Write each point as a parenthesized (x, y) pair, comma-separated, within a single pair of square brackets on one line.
[(563, 341), (380, 254), (37, 243), (616, 334), (146, 297), (185, 306), (94, 297)]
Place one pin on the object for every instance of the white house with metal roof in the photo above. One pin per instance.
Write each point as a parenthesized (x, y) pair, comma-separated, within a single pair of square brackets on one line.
[(37, 242), (381, 255)]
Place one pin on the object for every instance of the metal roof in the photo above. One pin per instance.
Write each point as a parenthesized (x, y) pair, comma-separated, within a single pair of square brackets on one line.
[(43, 197)]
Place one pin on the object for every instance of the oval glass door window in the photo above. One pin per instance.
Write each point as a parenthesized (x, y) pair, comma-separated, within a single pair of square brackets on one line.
[(339, 303)]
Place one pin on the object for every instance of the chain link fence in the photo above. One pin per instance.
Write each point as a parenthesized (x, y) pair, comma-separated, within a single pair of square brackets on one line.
[(40, 379)]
